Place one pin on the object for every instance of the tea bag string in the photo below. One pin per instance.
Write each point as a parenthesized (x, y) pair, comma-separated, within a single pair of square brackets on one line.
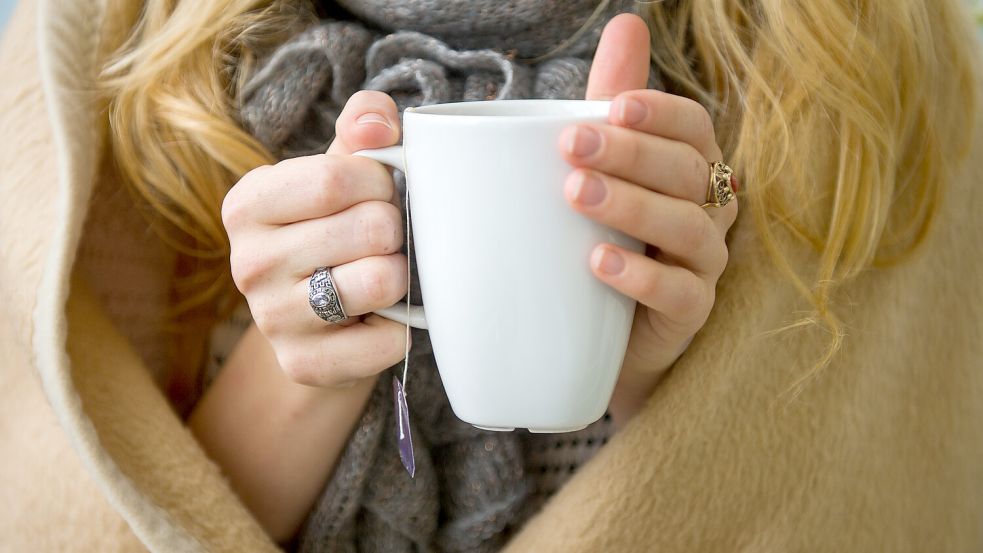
[(409, 276), (404, 434)]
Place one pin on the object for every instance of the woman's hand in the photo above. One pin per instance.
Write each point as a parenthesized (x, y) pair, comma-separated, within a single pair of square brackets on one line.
[(646, 173), (278, 415), (330, 210)]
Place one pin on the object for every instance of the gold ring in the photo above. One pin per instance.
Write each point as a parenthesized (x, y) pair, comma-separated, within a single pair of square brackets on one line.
[(721, 189)]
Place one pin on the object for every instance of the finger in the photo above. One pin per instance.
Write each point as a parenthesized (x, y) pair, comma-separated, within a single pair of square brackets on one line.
[(679, 228), (621, 60), (667, 166), (363, 286), (669, 116), (364, 230), (679, 295), (370, 119), (304, 188), (724, 217), (337, 355)]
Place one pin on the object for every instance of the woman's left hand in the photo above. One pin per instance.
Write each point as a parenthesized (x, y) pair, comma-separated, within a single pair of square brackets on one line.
[(646, 173)]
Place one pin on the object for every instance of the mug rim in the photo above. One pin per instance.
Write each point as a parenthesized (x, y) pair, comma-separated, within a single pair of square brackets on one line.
[(500, 109)]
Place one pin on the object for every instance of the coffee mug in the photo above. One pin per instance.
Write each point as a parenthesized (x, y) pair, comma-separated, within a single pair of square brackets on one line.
[(524, 335)]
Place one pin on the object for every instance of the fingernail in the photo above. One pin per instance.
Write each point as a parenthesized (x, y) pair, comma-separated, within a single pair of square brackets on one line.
[(611, 262), (584, 142), (589, 189), (631, 111), (734, 184), (372, 118)]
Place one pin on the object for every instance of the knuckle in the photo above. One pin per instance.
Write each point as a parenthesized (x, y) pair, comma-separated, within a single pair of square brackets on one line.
[(709, 299), (701, 311), (377, 281), (724, 258), (260, 173), (696, 230), (634, 213), (382, 227), (686, 299), (249, 268), (390, 344), (395, 349), (702, 121), (232, 209), (373, 176), (331, 184), (235, 207), (633, 150), (379, 175), (699, 174), (730, 212), (267, 316), (652, 285), (339, 128)]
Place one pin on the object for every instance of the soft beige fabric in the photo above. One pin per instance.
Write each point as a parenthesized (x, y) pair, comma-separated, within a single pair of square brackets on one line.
[(89, 442), (883, 453), (51, 503)]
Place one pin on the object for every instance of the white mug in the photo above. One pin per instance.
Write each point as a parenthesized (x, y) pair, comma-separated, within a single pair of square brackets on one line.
[(524, 335)]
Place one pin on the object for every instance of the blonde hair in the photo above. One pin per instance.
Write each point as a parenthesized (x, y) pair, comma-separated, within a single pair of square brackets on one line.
[(174, 133), (844, 118)]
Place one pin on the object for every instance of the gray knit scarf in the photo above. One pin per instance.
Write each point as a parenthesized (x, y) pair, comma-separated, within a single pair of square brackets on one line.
[(470, 483)]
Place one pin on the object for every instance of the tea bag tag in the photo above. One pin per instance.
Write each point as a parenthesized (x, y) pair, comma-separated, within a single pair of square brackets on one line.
[(404, 438), (403, 435)]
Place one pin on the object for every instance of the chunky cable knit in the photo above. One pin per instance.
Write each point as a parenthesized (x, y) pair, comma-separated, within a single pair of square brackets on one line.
[(472, 487)]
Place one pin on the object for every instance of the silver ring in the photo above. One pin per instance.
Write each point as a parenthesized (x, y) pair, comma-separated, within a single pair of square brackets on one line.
[(324, 298)]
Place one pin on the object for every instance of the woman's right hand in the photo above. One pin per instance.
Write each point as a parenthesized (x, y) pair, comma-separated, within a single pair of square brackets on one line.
[(332, 210)]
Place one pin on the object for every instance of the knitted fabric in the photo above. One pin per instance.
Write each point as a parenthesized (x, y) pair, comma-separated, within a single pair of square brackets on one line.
[(472, 487)]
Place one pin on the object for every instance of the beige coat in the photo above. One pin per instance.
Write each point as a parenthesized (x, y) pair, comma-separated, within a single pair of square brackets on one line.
[(883, 453)]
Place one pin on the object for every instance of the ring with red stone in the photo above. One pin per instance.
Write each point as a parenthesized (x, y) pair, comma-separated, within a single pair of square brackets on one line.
[(722, 185)]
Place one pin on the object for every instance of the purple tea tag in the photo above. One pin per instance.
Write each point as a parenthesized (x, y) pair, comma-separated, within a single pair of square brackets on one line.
[(403, 435)]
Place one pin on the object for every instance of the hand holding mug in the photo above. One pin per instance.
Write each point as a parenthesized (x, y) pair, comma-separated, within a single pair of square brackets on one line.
[(646, 173), (640, 177), (332, 209)]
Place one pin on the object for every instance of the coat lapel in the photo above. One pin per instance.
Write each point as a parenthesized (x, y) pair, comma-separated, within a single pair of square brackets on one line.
[(142, 457)]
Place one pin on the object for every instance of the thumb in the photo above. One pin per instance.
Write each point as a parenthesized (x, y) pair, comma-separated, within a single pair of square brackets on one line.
[(369, 120), (621, 61)]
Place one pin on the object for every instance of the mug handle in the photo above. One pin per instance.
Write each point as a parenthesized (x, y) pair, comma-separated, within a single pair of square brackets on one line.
[(393, 157)]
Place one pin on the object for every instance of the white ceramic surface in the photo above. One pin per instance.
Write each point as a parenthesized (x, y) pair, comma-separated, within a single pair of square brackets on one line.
[(524, 335)]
